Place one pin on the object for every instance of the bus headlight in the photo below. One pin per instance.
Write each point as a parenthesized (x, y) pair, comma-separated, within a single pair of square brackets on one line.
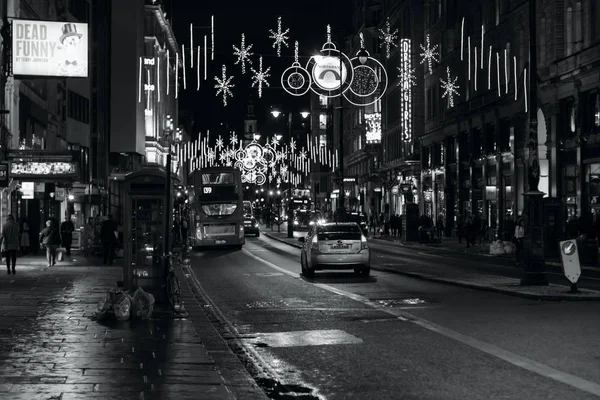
[(295, 222)]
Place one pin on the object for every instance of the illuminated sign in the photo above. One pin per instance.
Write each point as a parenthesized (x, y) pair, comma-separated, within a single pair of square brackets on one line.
[(207, 190), (406, 103), (45, 48), (34, 168), (326, 72), (373, 127), (27, 190)]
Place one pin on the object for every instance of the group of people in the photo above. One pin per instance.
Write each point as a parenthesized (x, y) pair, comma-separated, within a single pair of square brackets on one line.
[(472, 228)]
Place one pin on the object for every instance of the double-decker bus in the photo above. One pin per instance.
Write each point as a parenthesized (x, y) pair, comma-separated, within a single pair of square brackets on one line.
[(217, 210), (300, 205)]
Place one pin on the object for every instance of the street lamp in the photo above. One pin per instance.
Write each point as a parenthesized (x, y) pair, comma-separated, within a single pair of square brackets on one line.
[(290, 215)]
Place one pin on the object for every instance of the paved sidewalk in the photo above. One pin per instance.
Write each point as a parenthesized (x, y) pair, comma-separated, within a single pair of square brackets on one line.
[(480, 281), (50, 348)]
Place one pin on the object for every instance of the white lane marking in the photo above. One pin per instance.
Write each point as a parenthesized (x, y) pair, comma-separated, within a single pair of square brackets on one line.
[(488, 348), (429, 255)]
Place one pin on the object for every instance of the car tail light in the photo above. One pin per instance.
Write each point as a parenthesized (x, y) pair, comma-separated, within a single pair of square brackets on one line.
[(241, 235), (363, 242), (315, 243), (198, 232)]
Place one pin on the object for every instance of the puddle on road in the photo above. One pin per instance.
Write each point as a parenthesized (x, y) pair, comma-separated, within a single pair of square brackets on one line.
[(413, 301)]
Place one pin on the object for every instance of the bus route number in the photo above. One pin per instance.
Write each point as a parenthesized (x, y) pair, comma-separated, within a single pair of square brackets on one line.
[(207, 190)]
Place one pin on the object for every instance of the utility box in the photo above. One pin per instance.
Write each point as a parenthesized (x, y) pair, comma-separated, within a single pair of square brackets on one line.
[(146, 220)]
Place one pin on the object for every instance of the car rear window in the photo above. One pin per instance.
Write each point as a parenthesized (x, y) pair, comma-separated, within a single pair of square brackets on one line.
[(339, 232)]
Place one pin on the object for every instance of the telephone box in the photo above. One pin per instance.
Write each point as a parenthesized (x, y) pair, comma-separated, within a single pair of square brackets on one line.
[(147, 219)]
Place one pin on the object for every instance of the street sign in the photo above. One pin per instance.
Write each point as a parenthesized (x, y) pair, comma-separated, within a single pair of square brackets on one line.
[(570, 260), (3, 175)]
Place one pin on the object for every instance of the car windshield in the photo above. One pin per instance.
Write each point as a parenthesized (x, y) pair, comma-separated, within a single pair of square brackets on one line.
[(339, 232), (213, 210)]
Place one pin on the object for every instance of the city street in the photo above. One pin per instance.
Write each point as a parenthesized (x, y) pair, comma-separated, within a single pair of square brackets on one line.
[(389, 336)]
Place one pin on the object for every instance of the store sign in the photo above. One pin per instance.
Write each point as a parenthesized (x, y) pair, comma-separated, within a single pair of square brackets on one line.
[(27, 190), (3, 175), (373, 127), (45, 48), (395, 190), (407, 83), (326, 72), (43, 169)]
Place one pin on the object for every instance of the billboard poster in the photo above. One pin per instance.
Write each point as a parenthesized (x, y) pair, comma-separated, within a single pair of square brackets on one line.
[(49, 48)]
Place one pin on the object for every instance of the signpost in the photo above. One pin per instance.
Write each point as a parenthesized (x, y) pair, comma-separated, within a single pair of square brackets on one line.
[(570, 261)]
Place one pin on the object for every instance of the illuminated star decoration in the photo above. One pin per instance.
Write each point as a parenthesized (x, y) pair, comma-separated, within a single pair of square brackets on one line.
[(243, 54), (429, 53), (388, 38), (260, 77), (279, 37), (224, 85), (407, 77), (450, 87)]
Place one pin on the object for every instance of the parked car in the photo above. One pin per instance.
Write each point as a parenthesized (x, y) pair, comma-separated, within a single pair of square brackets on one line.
[(335, 246), (251, 226)]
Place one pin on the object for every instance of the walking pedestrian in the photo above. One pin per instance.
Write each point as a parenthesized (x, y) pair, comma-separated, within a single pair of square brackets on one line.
[(50, 238), (25, 242), (519, 239), (66, 234), (10, 243), (108, 235)]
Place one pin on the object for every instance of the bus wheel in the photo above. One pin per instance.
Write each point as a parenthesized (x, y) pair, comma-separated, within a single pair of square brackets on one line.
[(238, 247)]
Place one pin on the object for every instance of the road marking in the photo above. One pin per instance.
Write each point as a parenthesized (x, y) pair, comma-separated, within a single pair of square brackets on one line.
[(488, 348), (305, 338)]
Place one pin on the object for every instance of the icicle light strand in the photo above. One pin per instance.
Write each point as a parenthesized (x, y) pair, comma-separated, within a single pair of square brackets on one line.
[(212, 37), (482, 46), (140, 82), (192, 46), (506, 72), (515, 72), (498, 73), (205, 58), (525, 88), (198, 70), (183, 64), (462, 39), (475, 69), (489, 68), (469, 55), (168, 69)]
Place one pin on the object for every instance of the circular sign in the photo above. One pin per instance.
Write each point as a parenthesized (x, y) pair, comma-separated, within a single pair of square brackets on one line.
[(395, 190), (326, 72), (569, 248)]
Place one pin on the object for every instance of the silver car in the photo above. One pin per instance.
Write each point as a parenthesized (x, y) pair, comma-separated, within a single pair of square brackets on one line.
[(335, 245)]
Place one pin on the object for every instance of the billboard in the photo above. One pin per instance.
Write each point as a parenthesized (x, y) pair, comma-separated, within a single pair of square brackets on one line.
[(49, 48)]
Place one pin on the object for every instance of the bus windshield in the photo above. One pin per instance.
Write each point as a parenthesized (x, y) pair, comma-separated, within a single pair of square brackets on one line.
[(224, 209), (218, 178)]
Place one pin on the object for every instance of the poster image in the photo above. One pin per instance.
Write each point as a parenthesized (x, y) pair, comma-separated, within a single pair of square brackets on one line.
[(49, 48)]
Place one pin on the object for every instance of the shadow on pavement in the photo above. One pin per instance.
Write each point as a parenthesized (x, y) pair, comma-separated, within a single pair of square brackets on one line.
[(338, 277)]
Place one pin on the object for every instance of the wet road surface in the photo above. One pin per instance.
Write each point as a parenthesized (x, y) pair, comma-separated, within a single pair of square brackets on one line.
[(392, 337)]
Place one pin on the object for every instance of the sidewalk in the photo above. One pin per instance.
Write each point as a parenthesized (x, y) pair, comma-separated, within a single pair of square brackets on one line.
[(50, 348), (480, 281)]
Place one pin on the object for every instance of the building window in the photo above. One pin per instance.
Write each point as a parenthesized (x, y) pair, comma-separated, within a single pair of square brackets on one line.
[(78, 108), (569, 30), (578, 26), (542, 41), (323, 121)]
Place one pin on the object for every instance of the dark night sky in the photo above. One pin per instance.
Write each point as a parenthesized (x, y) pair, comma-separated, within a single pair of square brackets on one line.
[(306, 19)]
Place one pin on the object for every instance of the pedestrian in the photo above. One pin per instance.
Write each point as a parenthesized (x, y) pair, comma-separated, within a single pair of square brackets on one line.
[(25, 243), (519, 238), (184, 230), (460, 228), (10, 243), (88, 237), (50, 238), (108, 235), (439, 225), (66, 234)]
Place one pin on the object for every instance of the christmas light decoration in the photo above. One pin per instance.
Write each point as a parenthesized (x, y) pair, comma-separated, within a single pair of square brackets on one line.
[(176, 75), (243, 54), (482, 46), (498, 72), (450, 87), (365, 81), (369, 81), (183, 64), (475, 69), (192, 46), (197, 70), (469, 57), (224, 85), (168, 72), (205, 58), (212, 37), (407, 80), (515, 72), (506, 71), (525, 88), (429, 53), (462, 39), (279, 37), (296, 80), (388, 38), (489, 67), (260, 77)]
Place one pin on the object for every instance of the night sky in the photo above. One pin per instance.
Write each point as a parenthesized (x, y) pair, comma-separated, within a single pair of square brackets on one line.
[(307, 22)]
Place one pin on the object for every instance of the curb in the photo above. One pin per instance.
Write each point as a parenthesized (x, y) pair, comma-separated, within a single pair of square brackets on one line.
[(531, 296), (298, 246)]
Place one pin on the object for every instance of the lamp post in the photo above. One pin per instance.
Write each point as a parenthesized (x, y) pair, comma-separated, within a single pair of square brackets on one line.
[(290, 213), (170, 136), (534, 266)]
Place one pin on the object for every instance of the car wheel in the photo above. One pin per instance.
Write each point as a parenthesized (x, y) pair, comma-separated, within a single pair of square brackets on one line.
[(257, 234), (366, 271), (309, 273)]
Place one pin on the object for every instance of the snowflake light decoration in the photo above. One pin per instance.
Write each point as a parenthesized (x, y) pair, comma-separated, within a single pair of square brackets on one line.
[(260, 77), (406, 77), (450, 87), (233, 139), (279, 37), (243, 54), (224, 85), (388, 38), (220, 144), (429, 53)]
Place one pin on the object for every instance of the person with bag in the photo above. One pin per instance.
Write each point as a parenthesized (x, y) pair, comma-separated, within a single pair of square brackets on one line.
[(10, 243), (66, 233), (50, 238)]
